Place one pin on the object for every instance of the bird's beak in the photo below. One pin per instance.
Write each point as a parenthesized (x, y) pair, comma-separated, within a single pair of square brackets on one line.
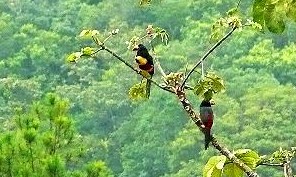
[(136, 47), (212, 102)]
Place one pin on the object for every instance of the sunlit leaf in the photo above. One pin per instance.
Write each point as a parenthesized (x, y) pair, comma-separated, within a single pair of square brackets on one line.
[(271, 14), (73, 57), (87, 51), (258, 11), (210, 84), (291, 11), (249, 157), (232, 169), (214, 166), (274, 22), (88, 33), (138, 91)]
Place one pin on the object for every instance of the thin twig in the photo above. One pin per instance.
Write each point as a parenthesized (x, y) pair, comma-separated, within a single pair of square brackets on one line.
[(110, 35), (97, 51), (157, 62), (207, 54), (271, 164)]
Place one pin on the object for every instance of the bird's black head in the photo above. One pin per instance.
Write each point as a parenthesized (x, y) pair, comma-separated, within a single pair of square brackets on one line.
[(139, 47), (206, 103)]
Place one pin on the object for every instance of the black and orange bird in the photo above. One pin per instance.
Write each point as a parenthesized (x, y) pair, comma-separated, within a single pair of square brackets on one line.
[(145, 63)]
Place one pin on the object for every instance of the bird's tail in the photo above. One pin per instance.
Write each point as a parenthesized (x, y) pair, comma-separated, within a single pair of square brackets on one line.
[(148, 87), (208, 138)]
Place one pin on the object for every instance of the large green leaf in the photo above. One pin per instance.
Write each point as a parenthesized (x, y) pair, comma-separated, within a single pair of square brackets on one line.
[(210, 84), (232, 170), (249, 157), (258, 11), (214, 166), (273, 20), (138, 91), (291, 11), (271, 14)]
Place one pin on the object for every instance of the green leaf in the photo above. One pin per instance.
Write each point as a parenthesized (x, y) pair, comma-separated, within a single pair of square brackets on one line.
[(209, 85), (214, 166), (208, 95), (291, 11), (73, 57), (270, 14), (258, 11), (137, 91), (232, 169), (273, 20), (88, 33), (87, 51), (249, 157)]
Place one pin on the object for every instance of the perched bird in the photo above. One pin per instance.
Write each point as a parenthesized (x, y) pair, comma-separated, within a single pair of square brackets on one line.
[(145, 63), (207, 117)]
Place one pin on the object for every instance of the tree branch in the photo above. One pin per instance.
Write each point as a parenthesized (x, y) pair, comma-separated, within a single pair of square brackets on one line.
[(271, 164), (196, 119), (207, 54), (287, 168)]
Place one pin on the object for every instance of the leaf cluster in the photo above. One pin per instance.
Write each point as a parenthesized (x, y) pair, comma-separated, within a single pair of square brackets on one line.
[(273, 14)]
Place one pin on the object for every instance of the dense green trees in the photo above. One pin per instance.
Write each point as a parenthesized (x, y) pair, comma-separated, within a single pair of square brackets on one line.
[(40, 142), (145, 138)]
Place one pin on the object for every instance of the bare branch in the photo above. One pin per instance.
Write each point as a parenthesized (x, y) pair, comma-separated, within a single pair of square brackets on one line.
[(207, 54)]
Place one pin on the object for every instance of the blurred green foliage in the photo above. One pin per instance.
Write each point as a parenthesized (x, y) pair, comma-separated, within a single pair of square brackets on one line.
[(148, 137)]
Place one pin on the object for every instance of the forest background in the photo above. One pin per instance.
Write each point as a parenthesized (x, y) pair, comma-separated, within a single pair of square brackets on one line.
[(61, 119)]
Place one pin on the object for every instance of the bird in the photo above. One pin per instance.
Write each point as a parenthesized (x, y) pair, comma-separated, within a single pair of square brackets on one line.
[(207, 117), (145, 63)]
